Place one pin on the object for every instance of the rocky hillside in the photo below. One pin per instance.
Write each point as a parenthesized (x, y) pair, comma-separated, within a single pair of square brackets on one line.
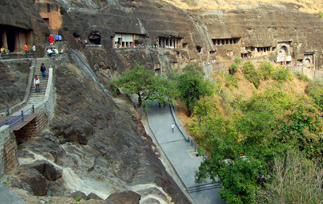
[(96, 145)]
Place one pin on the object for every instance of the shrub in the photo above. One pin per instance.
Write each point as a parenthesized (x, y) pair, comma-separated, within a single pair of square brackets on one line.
[(315, 90), (233, 68), (251, 73), (237, 60), (320, 14), (231, 82), (295, 180), (282, 74), (266, 70), (302, 77)]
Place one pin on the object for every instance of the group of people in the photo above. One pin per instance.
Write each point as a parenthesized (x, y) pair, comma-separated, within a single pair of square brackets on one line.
[(57, 38), (54, 51), (36, 79)]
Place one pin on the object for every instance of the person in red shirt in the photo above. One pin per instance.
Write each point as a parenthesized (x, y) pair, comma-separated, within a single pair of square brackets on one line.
[(51, 40), (26, 50)]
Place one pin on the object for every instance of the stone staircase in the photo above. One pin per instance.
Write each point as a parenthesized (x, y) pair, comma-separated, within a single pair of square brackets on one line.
[(35, 98)]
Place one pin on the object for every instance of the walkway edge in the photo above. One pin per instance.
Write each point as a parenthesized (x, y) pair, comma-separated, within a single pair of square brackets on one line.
[(182, 185)]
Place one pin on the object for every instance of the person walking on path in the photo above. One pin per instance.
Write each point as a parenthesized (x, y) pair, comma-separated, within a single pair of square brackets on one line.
[(36, 84), (59, 38), (43, 70), (173, 127), (26, 50)]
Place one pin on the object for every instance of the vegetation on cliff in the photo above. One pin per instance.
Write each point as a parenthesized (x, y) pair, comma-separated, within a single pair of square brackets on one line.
[(253, 128)]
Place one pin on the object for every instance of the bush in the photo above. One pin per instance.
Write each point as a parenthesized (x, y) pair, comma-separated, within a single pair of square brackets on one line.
[(251, 73), (233, 68), (315, 91), (320, 14), (231, 82), (237, 60), (282, 74), (295, 180), (302, 77), (266, 70)]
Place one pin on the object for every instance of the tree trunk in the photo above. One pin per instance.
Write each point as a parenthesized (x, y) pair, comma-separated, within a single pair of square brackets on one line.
[(139, 99), (188, 109)]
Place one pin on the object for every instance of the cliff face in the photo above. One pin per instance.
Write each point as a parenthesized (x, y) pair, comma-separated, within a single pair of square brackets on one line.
[(91, 137), (13, 77)]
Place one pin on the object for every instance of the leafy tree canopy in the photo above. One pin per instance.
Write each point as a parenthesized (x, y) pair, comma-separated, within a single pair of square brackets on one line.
[(192, 86), (146, 85)]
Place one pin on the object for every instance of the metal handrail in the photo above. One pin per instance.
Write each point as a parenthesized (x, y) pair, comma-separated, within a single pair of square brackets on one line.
[(22, 116), (6, 111)]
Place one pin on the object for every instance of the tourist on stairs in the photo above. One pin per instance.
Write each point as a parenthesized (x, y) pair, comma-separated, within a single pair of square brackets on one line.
[(43, 70), (36, 84)]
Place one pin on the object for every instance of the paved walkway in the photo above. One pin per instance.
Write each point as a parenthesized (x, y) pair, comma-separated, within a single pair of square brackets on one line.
[(181, 154), (9, 197)]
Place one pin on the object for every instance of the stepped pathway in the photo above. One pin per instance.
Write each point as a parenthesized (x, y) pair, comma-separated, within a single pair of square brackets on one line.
[(35, 98), (181, 155)]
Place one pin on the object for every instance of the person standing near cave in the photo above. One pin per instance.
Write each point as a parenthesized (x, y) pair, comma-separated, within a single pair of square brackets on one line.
[(173, 127), (26, 50)]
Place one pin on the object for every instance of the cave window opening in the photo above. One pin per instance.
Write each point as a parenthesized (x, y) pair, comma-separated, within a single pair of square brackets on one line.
[(46, 21), (229, 52), (199, 49), (1, 43), (185, 45), (96, 39), (11, 41)]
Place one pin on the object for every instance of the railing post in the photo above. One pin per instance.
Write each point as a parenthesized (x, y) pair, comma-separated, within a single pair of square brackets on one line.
[(8, 112), (22, 116), (33, 109)]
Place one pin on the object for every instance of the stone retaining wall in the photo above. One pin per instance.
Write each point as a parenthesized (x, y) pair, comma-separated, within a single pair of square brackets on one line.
[(8, 144), (8, 150)]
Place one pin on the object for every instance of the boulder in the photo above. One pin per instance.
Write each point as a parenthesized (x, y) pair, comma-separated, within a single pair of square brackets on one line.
[(126, 197), (30, 180), (47, 170), (93, 196)]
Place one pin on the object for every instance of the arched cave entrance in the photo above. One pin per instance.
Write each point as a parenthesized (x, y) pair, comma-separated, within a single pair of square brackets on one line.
[(95, 38), (307, 61), (282, 54), (11, 41)]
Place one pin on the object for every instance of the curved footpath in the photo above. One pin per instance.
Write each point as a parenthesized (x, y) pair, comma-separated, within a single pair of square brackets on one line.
[(9, 197), (181, 155)]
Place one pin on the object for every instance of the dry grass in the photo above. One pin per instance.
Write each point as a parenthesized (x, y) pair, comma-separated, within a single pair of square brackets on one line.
[(246, 89), (309, 6)]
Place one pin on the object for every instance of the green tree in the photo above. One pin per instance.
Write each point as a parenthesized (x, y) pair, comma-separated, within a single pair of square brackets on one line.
[(251, 73), (146, 85), (192, 86), (233, 68)]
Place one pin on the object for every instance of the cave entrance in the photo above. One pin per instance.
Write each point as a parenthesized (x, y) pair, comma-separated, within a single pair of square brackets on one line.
[(199, 48), (95, 38), (307, 61), (282, 54), (11, 41)]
